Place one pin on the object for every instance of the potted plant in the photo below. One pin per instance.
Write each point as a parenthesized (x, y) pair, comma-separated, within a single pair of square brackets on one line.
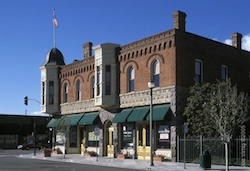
[(57, 150), (121, 155), (159, 157), (90, 153), (46, 152)]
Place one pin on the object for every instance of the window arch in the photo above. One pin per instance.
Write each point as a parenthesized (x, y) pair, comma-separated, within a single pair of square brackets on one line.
[(92, 93), (156, 73), (131, 77), (78, 90), (65, 93)]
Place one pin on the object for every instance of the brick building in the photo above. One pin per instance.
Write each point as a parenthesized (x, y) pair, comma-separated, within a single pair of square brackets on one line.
[(109, 90)]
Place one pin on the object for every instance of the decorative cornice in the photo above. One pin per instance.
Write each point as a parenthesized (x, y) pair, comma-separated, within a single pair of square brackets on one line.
[(142, 98), (79, 107)]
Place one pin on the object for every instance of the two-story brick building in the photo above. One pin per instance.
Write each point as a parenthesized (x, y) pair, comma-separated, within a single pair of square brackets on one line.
[(109, 90)]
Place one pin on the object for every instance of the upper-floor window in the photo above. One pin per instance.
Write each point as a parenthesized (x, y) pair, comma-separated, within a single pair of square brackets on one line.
[(198, 71), (131, 77), (43, 93), (51, 92), (78, 90), (156, 73), (108, 80), (65, 93), (224, 72), (98, 81), (92, 87)]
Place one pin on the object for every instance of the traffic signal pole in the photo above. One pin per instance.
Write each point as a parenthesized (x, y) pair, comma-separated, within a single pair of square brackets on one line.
[(34, 133)]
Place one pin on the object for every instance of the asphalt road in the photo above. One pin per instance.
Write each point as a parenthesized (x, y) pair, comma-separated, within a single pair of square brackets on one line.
[(9, 161)]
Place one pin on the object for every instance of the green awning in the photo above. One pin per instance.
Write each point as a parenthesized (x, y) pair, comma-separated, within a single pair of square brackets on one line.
[(51, 123), (70, 119), (88, 118), (138, 114), (159, 112), (122, 116)]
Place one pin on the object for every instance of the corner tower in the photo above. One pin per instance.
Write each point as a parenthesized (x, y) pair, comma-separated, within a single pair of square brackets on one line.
[(50, 82)]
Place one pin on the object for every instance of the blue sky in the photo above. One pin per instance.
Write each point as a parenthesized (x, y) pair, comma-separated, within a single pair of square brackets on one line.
[(26, 33)]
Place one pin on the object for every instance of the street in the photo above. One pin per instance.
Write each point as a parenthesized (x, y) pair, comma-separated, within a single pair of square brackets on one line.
[(9, 161)]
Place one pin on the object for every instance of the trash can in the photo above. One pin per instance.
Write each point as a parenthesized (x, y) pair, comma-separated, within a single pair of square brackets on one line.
[(205, 160)]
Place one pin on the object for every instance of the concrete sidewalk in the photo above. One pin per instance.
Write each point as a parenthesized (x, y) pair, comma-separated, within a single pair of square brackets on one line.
[(128, 163)]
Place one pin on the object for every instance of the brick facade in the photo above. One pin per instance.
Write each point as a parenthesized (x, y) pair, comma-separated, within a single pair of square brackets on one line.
[(176, 51)]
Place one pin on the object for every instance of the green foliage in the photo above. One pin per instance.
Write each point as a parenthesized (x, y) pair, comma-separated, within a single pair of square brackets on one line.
[(216, 110), (199, 121)]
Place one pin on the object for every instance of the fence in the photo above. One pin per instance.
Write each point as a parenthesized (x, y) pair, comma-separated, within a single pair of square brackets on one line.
[(239, 150)]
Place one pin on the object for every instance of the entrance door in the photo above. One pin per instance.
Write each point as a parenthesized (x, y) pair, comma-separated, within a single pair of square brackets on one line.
[(143, 144), (110, 146), (82, 140)]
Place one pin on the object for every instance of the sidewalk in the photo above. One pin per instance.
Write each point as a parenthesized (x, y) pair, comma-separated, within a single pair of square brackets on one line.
[(129, 163)]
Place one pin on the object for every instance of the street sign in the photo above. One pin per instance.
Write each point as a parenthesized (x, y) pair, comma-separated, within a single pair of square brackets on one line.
[(185, 128), (97, 131)]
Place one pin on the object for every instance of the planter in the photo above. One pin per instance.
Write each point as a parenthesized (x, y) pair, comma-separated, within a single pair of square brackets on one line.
[(90, 154), (46, 153), (158, 158), (122, 156), (57, 152)]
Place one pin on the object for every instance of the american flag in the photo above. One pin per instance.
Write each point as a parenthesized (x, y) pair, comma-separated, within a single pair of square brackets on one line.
[(55, 22)]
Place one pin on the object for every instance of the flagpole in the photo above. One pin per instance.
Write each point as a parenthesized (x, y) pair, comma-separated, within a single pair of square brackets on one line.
[(54, 29)]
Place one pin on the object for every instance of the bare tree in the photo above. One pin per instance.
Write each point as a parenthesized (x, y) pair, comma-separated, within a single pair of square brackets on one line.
[(62, 127), (228, 109)]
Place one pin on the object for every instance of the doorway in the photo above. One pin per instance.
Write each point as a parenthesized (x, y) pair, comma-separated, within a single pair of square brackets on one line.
[(143, 141), (109, 146)]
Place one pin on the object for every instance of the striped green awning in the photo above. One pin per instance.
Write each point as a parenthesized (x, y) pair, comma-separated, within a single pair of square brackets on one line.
[(122, 116), (88, 118), (51, 123), (71, 120), (138, 114), (159, 112)]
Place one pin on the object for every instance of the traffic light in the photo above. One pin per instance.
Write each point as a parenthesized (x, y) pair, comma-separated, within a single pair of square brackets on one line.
[(26, 100)]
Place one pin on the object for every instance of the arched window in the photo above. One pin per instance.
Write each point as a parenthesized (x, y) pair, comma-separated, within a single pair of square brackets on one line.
[(92, 93), (65, 93), (156, 73), (131, 77), (78, 90)]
